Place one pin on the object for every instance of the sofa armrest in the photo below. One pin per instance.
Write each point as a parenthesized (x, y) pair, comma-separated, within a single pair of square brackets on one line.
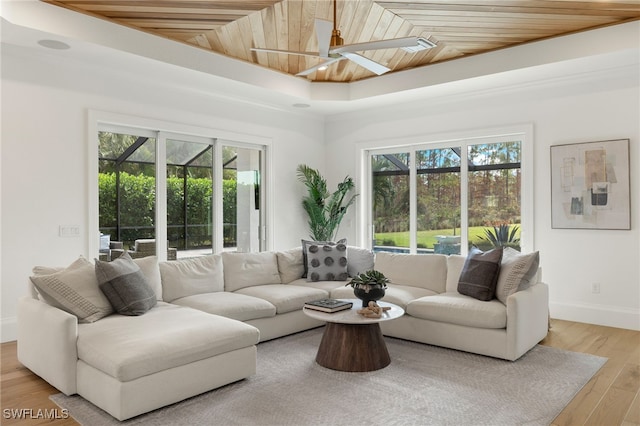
[(527, 319), (47, 339)]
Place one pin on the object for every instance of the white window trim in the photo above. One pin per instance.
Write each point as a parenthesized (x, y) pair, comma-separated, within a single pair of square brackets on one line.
[(524, 132), (103, 120)]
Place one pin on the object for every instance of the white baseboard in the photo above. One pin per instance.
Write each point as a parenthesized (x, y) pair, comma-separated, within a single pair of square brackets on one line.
[(610, 316), (9, 329)]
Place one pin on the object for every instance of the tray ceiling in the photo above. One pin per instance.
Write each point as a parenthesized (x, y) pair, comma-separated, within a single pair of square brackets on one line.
[(460, 27)]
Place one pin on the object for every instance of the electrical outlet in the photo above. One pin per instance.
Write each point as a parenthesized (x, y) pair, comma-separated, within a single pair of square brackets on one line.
[(595, 288)]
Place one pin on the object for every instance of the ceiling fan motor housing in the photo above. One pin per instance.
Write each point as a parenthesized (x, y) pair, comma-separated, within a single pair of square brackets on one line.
[(336, 40)]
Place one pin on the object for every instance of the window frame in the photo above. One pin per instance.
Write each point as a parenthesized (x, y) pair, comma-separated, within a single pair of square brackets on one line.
[(161, 130), (364, 150)]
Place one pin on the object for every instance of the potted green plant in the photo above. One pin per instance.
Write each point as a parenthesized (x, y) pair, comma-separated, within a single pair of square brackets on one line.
[(325, 209), (502, 236), (369, 286)]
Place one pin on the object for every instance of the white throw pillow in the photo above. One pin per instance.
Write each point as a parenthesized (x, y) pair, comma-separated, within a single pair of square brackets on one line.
[(74, 290), (290, 265), (186, 277), (249, 269), (360, 260), (516, 272)]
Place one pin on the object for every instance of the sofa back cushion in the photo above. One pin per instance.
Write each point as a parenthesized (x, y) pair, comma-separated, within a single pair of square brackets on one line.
[(417, 270), (290, 265), (186, 277), (249, 269)]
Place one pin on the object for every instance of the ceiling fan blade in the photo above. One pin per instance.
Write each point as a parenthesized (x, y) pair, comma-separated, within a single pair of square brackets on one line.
[(367, 63), (320, 65), (287, 52), (323, 33), (384, 44)]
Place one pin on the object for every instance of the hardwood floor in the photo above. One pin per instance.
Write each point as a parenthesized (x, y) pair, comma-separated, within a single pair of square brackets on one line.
[(612, 397)]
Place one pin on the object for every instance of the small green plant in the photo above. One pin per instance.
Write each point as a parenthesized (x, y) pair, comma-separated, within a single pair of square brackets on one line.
[(368, 280), (501, 235)]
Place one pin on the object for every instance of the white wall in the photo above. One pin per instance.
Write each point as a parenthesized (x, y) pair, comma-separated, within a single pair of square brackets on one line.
[(578, 107), (45, 103)]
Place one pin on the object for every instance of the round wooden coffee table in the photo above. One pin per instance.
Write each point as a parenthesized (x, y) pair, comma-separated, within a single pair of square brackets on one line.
[(352, 342)]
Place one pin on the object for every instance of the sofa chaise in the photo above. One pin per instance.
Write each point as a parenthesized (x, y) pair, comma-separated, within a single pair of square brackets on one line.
[(208, 313)]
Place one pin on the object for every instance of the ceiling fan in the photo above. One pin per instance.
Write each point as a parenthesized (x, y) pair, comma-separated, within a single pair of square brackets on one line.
[(332, 48)]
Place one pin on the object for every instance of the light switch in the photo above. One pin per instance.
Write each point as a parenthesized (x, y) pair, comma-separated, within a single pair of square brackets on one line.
[(69, 231)]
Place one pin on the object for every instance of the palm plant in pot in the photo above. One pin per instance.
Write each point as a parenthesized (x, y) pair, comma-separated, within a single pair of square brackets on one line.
[(324, 208), (369, 286)]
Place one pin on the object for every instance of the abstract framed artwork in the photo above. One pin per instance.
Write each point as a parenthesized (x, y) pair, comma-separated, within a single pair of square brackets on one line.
[(590, 185)]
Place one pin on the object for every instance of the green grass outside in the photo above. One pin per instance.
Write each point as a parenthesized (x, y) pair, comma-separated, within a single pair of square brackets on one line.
[(428, 238)]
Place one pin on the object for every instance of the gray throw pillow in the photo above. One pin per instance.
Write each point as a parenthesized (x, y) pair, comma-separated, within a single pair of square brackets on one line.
[(516, 272), (126, 287), (479, 275), (73, 289), (327, 262), (307, 243)]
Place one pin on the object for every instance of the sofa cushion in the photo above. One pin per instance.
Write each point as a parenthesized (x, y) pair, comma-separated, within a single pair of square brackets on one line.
[(125, 286), (231, 305), (186, 277), (168, 336), (285, 297), (290, 265), (417, 270), (249, 269), (305, 247), (74, 290), (479, 276), (459, 309), (396, 293), (327, 262), (517, 270), (322, 285), (360, 260)]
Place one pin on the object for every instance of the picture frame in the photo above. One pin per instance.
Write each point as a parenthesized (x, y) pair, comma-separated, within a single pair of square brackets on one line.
[(590, 185)]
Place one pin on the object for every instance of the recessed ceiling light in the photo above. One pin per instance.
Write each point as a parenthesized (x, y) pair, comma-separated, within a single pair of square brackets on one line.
[(301, 105), (54, 44)]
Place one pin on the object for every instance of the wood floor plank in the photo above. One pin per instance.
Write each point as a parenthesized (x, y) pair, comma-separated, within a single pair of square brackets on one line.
[(610, 398), (612, 409), (633, 416)]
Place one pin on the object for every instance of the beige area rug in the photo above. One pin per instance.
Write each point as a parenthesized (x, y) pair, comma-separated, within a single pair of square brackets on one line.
[(424, 385)]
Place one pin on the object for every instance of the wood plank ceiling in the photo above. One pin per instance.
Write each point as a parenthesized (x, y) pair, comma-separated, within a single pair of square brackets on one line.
[(460, 27)]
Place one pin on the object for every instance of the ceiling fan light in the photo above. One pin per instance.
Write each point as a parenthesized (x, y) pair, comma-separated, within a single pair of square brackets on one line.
[(422, 44)]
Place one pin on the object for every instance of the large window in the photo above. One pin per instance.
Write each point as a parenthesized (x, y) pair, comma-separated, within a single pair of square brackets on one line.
[(446, 197), (178, 195)]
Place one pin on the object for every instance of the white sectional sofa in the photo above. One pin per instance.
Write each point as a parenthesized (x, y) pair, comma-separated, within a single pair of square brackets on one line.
[(211, 312)]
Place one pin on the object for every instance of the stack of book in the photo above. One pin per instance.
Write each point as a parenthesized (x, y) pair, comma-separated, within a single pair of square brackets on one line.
[(328, 305)]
